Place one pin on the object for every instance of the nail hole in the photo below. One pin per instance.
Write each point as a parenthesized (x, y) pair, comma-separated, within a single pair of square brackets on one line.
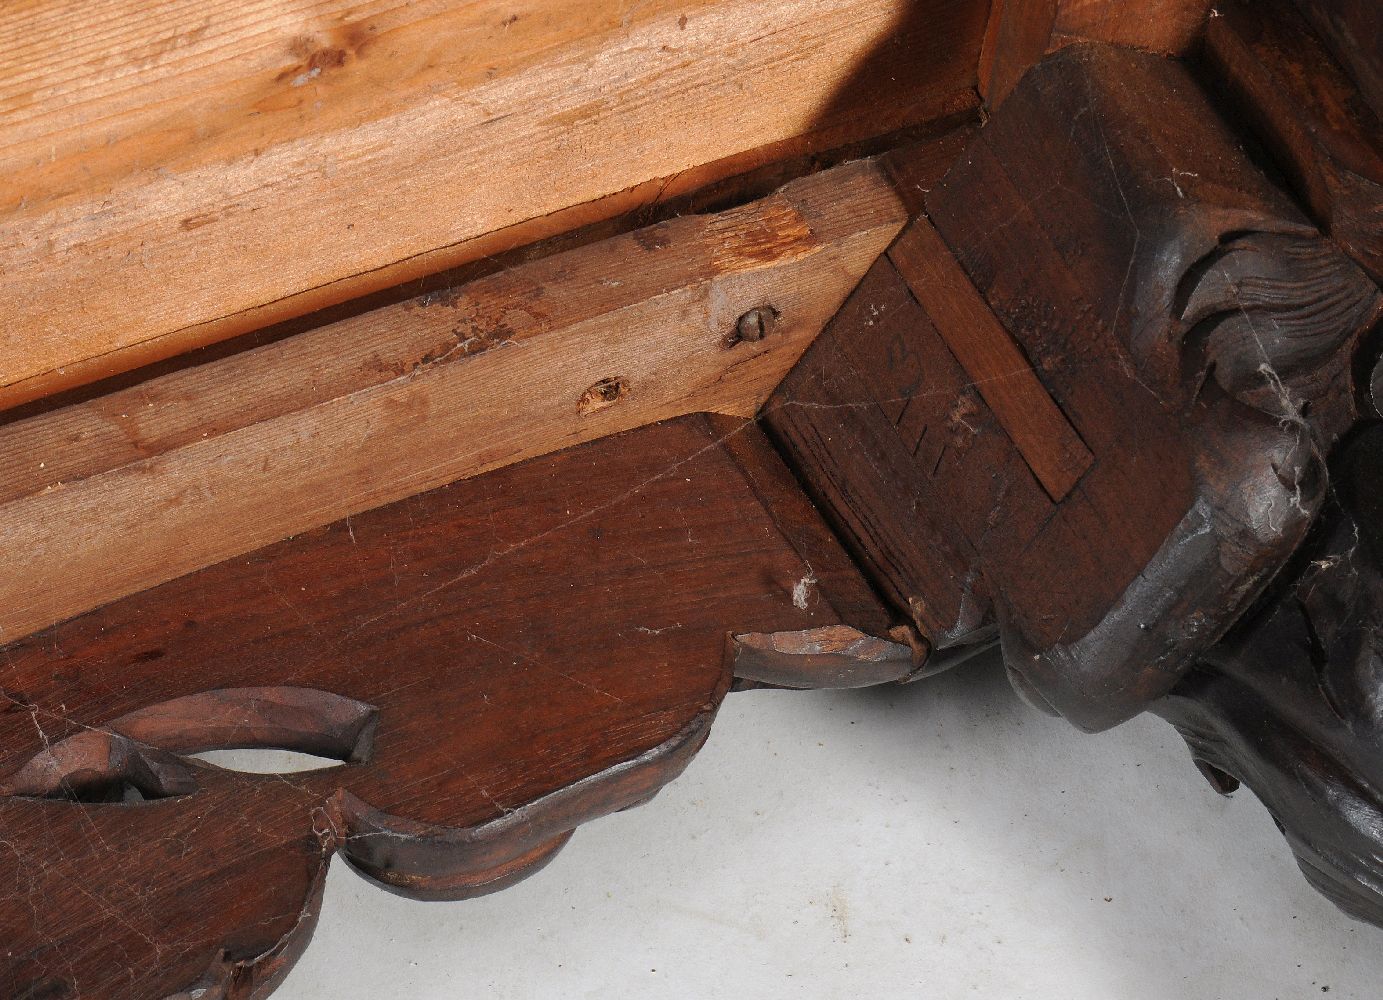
[(606, 392)]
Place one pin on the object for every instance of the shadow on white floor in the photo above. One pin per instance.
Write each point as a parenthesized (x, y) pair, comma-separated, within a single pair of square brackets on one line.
[(936, 841)]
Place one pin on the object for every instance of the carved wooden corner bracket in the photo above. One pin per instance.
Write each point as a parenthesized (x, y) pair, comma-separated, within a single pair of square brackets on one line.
[(1197, 354), (1201, 540), (1105, 402)]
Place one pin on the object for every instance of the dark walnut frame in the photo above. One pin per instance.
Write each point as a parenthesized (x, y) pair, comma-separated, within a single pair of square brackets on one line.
[(1110, 400)]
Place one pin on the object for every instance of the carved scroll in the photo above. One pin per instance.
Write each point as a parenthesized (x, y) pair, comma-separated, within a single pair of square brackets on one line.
[(490, 664), (1311, 115)]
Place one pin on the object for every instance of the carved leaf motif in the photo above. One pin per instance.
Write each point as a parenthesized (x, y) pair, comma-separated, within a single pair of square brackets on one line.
[(1271, 309)]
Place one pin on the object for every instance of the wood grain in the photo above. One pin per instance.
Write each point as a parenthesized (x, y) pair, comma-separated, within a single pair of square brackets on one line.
[(493, 663), (176, 174), (1190, 322), (1168, 27), (838, 656), (1018, 35), (1281, 80), (1354, 31), (1021, 32), (992, 360), (881, 425), (121, 492), (877, 420)]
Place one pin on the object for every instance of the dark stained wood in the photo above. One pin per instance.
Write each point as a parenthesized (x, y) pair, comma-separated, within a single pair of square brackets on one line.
[(1209, 345), (1168, 27), (833, 576), (1020, 32), (1197, 331), (1017, 36), (1170, 303), (914, 167), (1354, 31), (1291, 702), (877, 419), (494, 662), (858, 469), (1282, 80), (993, 362)]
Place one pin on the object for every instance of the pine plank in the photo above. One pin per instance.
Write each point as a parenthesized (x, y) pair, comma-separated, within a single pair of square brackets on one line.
[(121, 492), (174, 174)]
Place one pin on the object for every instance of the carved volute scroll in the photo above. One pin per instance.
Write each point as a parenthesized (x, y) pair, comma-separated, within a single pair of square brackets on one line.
[(1211, 346), (1313, 119)]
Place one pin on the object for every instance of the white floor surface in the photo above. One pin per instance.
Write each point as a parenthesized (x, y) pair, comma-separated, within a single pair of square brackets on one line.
[(936, 841)]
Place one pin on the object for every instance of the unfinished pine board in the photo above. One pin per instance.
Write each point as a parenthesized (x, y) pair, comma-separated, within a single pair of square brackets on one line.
[(122, 492), (176, 174)]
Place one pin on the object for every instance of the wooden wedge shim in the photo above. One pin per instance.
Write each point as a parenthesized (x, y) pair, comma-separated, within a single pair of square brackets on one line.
[(839, 656), (110, 496), (174, 175), (492, 662)]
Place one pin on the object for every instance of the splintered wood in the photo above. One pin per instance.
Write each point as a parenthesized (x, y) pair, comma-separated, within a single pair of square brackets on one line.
[(122, 492)]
